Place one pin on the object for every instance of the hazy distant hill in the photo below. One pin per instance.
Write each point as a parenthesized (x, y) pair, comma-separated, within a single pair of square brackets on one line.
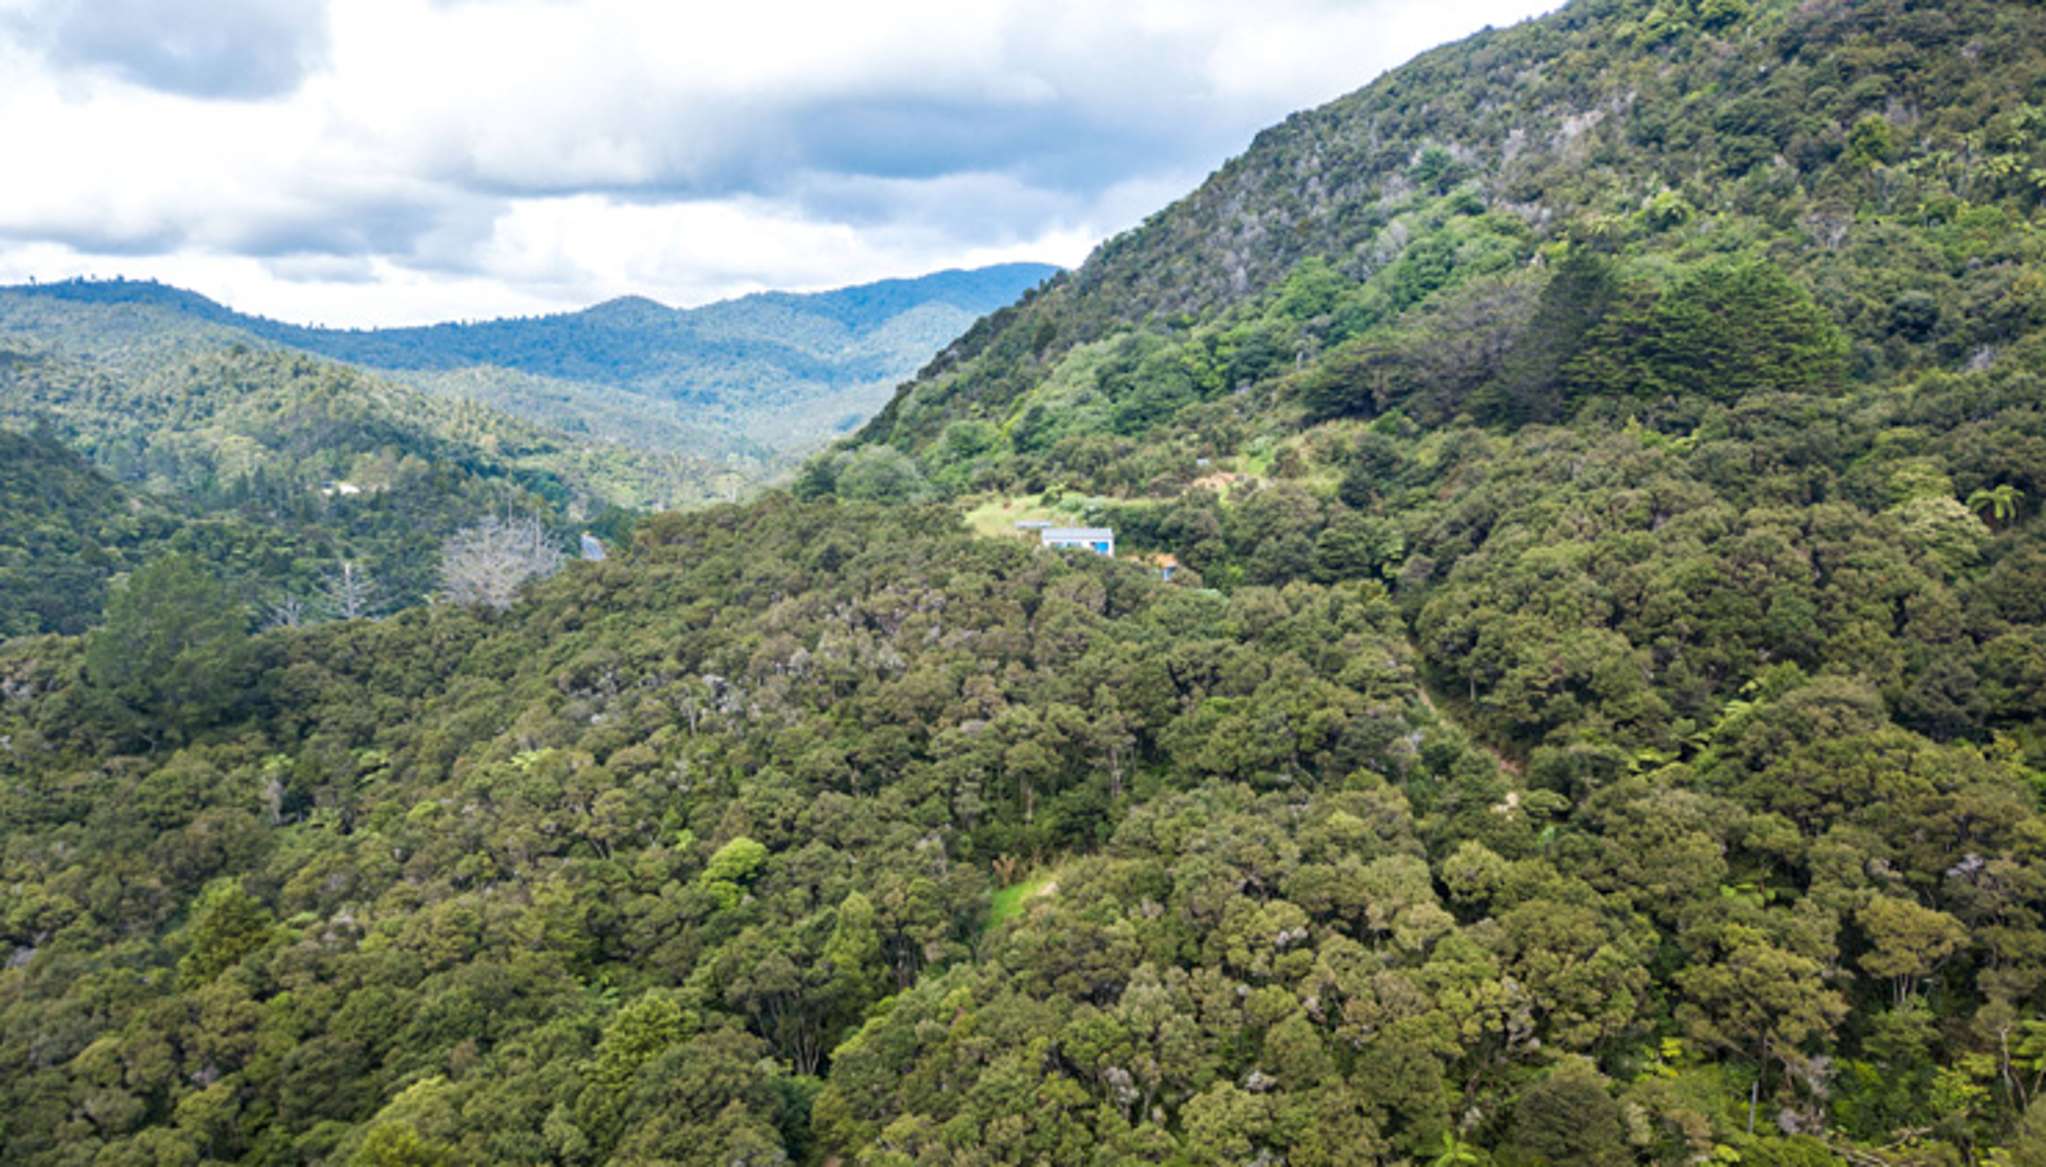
[(273, 468), (221, 434), (782, 369)]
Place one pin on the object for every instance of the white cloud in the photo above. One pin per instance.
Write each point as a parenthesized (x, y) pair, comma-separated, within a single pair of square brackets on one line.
[(206, 48), (440, 158), (714, 248)]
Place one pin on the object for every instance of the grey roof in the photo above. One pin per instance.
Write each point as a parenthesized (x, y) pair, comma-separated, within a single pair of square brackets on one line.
[(1080, 533)]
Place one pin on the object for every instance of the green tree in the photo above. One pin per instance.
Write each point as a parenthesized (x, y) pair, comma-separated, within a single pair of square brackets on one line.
[(1999, 502), (1758, 998), (859, 971), (174, 656), (635, 1035), (399, 1144), (2027, 1145), (732, 866), (227, 924), (1723, 330), (1907, 942), (1570, 1117), (1872, 141), (1576, 298), (880, 474)]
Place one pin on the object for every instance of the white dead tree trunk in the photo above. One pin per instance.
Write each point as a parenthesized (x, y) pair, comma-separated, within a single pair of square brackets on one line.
[(485, 565), (350, 592), (289, 612)]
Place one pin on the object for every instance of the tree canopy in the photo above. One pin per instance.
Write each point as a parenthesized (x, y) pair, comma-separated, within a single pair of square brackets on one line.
[(1597, 712)]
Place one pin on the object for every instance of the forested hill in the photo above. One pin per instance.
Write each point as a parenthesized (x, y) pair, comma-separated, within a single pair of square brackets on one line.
[(232, 432), (1888, 156), (275, 470), (1598, 716), (632, 341), (742, 364)]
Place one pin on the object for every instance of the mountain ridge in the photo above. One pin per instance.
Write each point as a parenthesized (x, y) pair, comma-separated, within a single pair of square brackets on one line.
[(1519, 119), (464, 343), (742, 387), (950, 284)]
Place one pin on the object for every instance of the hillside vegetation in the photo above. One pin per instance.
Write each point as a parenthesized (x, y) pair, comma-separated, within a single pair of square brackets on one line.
[(297, 467), (1601, 717), (275, 470), (1509, 327)]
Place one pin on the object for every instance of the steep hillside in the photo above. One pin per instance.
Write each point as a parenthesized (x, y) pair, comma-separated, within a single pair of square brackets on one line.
[(64, 535), (1886, 155), (1399, 334), (628, 405), (67, 533), (193, 423)]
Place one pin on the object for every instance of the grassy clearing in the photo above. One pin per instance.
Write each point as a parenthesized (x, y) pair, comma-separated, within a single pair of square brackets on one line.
[(997, 515), (1008, 902)]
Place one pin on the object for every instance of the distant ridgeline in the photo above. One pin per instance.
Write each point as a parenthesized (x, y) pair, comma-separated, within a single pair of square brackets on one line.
[(778, 370), (628, 406), (1541, 660)]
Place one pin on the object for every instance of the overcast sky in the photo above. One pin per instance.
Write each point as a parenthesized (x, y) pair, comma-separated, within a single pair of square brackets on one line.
[(397, 161)]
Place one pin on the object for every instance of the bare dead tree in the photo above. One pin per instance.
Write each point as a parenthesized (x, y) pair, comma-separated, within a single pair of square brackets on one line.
[(350, 591), (485, 565), (289, 612)]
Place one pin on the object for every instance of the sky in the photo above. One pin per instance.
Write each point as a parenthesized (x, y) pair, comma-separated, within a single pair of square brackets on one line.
[(376, 162)]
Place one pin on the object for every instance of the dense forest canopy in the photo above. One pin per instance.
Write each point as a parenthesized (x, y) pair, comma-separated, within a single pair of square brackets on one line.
[(276, 470), (1599, 715)]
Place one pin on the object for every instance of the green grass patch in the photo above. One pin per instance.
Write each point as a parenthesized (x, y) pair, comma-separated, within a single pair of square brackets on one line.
[(1008, 902), (996, 516)]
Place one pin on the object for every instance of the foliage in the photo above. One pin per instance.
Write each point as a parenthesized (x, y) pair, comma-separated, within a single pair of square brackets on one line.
[(1725, 330), (1599, 718), (174, 651), (281, 473), (745, 381)]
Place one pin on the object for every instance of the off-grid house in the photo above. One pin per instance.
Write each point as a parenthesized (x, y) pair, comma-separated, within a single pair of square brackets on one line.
[(1099, 540)]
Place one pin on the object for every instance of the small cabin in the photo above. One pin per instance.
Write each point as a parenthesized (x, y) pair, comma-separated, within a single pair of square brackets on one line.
[(1099, 540)]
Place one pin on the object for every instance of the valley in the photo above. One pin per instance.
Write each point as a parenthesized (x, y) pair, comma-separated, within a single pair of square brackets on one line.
[(370, 447)]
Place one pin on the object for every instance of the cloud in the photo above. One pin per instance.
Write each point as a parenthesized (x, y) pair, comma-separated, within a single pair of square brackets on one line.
[(323, 269), (202, 48), (528, 154), (694, 100)]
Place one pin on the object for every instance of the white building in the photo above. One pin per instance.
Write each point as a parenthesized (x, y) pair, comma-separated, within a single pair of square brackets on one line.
[(1099, 540)]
